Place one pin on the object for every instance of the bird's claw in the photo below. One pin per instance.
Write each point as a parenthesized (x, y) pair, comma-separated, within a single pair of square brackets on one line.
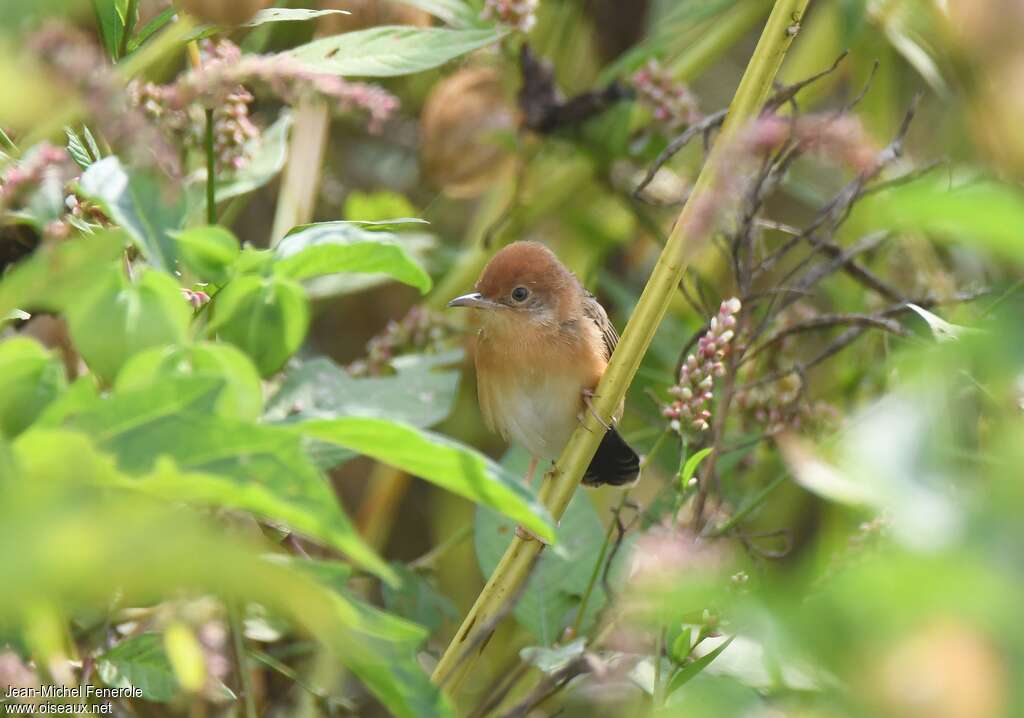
[(527, 535), (588, 396)]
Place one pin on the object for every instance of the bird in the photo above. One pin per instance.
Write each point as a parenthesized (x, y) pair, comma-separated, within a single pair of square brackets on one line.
[(543, 344)]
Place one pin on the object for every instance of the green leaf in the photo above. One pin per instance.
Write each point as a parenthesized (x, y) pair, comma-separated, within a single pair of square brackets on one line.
[(86, 549), (207, 250), (229, 463), (688, 469), (987, 213), (390, 50), (242, 396), (560, 578), (315, 250), (58, 274), (687, 672), (274, 14), (77, 149), (418, 600), (419, 393), (267, 156), (438, 459), (551, 660), (110, 16), (30, 378), (134, 202), (119, 318), (266, 317), (140, 662), (152, 27)]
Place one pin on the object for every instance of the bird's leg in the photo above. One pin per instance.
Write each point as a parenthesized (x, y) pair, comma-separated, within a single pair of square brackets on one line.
[(523, 533), (588, 395), (528, 479)]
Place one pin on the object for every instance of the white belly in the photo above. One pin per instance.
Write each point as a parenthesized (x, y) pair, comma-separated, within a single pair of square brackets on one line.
[(542, 413)]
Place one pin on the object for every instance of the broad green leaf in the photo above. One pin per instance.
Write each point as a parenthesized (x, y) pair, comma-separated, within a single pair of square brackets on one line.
[(438, 459), (266, 154), (560, 578), (420, 392), (242, 396), (30, 378), (136, 203), (140, 662), (57, 275), (987, 213), (390, 50), (266, 317), (225, 462), (119, 318), (315, 250), (418, 600), (208, 250), (84, 549)]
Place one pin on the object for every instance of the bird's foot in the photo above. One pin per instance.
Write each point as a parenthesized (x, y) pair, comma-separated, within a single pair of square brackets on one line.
[(527, 535), (588, 396)]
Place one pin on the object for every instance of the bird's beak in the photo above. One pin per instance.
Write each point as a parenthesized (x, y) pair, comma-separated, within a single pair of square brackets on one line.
[(473, 299)]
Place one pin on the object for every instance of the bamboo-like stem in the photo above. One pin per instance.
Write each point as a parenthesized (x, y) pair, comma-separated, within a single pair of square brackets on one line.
[(244, 677), (297, 198), (514, 567)]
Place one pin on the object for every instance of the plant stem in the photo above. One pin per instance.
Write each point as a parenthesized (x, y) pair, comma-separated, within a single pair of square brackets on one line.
[(515, 565), (211, 171), (296, 199), (245, 680), (129, 27)]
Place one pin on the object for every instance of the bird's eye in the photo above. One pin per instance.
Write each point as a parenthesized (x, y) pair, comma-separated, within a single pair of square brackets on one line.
[(520, 294)]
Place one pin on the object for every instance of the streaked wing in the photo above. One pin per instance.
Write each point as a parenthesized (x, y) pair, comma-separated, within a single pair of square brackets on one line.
[(596, 313)]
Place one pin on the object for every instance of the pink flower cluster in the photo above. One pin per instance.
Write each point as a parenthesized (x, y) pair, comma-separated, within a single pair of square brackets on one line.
[(27, 174), (671, 102), (194, 297), (421, 330), (518, 14), (698, 372)]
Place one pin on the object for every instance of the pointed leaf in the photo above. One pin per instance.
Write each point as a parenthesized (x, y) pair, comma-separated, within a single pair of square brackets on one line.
[(390, 50), (438, 459)]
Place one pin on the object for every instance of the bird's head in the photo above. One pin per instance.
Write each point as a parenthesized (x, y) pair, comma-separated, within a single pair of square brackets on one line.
[(524, 281)]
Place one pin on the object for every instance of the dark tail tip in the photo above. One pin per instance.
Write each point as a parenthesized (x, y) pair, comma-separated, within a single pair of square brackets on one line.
[(615, 463)]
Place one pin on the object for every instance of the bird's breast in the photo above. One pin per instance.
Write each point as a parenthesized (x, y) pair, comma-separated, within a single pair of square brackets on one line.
[(530, 386)]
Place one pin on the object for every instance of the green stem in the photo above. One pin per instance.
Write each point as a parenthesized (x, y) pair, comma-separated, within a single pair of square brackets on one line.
[(733, 520), (245, 679), (514, 567), (129, 27), (211, 172)]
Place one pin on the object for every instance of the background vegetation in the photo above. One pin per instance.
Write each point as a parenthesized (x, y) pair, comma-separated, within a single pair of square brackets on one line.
[(241, 463)]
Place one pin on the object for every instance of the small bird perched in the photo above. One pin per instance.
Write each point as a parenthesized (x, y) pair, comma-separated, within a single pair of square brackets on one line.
[(544, 343)]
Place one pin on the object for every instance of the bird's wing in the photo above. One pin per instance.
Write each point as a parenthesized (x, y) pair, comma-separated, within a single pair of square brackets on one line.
[(596, 313)]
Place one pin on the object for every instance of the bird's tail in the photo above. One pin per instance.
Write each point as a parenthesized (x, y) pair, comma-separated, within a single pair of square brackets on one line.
[(615, 463)]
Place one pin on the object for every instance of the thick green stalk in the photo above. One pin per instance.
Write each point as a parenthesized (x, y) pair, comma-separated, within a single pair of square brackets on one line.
[(514, 567)]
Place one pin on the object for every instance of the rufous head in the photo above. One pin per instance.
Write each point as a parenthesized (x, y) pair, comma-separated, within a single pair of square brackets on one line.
[(524, 280)]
